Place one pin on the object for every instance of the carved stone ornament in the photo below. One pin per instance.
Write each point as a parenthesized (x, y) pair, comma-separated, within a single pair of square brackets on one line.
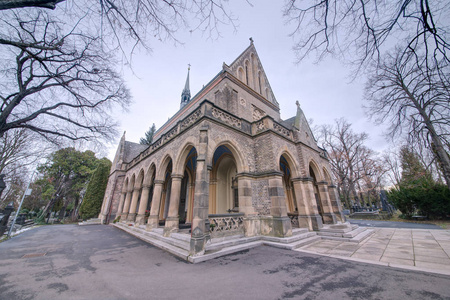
[(227, 118), (257, 113)]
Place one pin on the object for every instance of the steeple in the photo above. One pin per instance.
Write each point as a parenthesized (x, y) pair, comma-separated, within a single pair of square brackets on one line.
[(186, 94)]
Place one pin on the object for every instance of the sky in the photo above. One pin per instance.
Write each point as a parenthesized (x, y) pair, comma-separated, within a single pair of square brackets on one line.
[(324, 90)]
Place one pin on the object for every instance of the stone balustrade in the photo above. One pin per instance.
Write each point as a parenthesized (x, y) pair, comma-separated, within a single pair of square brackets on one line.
[(226, 224)]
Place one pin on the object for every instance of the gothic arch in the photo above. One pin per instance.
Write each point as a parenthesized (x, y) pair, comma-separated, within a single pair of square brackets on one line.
[(248, 72), (327, 176), (132, 182), (140, 179), (181, 156), (241, 74), (314, 166), (125, 185), (149, 174), (286, 167), (236, 151), (292, 163), (160, 174)]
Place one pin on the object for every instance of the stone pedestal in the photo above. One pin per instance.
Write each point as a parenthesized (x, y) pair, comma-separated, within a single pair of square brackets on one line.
[(252, 225), (131, 217)]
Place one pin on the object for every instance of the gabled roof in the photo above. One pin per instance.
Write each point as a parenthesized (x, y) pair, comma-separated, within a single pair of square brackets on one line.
[(248, 68)]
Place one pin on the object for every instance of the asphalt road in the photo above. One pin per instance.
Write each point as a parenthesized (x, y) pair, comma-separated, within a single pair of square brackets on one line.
[(102, 262), (389, 224)]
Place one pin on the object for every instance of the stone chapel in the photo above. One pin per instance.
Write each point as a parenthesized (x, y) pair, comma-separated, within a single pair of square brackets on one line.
[(225, 167)]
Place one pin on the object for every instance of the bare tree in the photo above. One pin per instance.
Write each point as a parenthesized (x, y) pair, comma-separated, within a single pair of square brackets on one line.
[(140, 20), (359, 31), (19, 150), (57, 81), (412, 94), (344, 148)]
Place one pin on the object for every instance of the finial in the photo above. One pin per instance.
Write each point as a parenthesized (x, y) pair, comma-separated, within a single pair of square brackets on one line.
[(189, 67), (297, 103), (251, 40)]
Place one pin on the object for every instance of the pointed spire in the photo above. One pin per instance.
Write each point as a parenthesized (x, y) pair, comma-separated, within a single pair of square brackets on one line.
[(297, 117), (186, 94)]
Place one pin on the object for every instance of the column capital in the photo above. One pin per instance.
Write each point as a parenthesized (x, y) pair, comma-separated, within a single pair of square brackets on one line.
[(146, 186), (177, 176), (303, 179), (159, 182), (322, 183)]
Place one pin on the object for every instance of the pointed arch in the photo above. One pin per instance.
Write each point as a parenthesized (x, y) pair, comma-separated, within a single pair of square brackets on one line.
[(248, 70), (139, 179), (327, 176), (241, 74), (151, 172), (184, 152), (125, 185), (235, 150), (315, 168), (290, 159), (160, 174)]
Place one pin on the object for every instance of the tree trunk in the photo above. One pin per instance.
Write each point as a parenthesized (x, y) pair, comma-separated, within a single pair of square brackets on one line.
[(437, 146)]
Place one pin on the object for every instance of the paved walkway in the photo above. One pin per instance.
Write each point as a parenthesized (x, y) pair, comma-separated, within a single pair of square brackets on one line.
[(415, 249)]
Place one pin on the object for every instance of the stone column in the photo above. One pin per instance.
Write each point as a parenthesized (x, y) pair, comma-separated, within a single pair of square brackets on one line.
[(280, 223), (121, 202), (310, 197), (140, 219), (134, 200), (173, 220), (336, 203), (303, 204), (153, 219), (252, 225), (126, 206), (190, 202), (201, 200), (328, 216)]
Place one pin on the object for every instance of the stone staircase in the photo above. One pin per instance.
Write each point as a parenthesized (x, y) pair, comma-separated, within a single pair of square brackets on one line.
[(345, 232), (178, 244), (93, 221)]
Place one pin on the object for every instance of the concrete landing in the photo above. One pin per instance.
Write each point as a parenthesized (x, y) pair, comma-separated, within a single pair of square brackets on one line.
[(413, 249)]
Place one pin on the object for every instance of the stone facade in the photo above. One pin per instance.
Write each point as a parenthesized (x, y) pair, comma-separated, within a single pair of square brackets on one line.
[(226, 163)]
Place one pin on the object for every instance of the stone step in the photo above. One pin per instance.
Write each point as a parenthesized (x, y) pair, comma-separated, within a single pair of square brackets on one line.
[(215, 246), (362, 236), (295, 245), (182, 244), (289, 240), (297, 231), (223, 252), (181, 236), (355, 232)]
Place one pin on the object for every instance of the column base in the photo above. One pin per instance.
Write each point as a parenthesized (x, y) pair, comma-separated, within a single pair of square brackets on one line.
[(282, 226), (252, 226), (171, 226), (329, 218), (276, 226), (140, 220), (197, 244), (305, 221), (317, 222), (123, 217), (131, 217), (153, 222)]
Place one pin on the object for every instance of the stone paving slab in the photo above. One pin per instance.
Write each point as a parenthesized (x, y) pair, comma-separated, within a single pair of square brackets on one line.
[(413, 249)]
